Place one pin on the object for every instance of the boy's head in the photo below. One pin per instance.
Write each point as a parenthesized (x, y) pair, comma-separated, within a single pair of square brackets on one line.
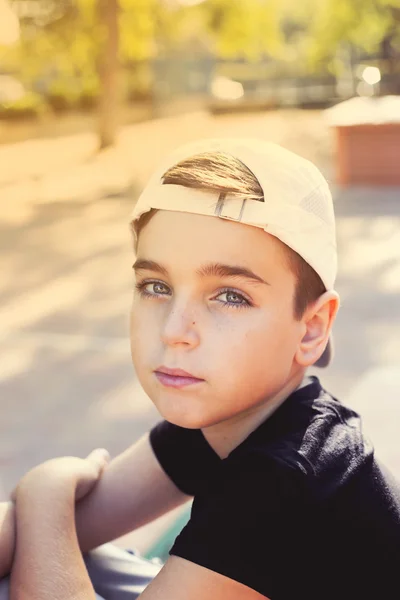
[(245, 339)]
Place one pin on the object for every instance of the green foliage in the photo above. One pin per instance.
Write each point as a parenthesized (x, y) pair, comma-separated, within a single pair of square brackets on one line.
[(60, 41), (59, 49), (138, 24), (64, 93), (62, 49), (361, 24), (137, 81), (30, 105), (244, 28)]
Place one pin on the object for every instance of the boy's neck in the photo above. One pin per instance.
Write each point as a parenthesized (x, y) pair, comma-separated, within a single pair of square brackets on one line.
[(224, 437)]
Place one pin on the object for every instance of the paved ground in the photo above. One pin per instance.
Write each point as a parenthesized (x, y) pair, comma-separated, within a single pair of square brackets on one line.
[(66, 383)]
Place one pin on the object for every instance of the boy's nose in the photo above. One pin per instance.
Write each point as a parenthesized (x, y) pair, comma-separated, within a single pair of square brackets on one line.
[(180, 327)]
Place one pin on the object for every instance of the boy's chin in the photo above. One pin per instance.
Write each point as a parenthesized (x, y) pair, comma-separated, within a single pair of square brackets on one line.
[(183, 414), (184, 420)]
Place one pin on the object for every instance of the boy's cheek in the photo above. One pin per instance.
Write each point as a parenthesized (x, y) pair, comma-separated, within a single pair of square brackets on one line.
[(140, 319), (144, 335), (143, 341)]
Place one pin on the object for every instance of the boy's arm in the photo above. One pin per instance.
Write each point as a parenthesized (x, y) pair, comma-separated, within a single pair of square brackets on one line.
[(48, 563), (133, 491)]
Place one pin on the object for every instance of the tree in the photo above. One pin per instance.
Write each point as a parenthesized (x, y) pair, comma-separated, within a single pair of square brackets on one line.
[(244, 28), (70, 49), (360, 24), (108, 72)]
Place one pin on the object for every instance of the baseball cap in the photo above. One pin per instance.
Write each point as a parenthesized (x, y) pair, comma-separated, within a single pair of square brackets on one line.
[(297, 207)]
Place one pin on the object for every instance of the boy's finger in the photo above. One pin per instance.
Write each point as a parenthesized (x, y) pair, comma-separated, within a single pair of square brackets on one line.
[(100, 456)]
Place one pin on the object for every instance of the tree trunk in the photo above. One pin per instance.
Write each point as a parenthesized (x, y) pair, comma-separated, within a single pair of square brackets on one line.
[(108, 72)]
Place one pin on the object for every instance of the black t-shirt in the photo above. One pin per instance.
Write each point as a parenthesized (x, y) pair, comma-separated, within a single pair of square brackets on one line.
[(301, 509)]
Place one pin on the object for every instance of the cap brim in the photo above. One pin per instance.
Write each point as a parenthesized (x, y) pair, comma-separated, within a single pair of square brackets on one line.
[(326, 356)]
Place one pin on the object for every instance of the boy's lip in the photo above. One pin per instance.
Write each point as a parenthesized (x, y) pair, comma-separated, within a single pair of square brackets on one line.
[(176, 373), (176, 378)]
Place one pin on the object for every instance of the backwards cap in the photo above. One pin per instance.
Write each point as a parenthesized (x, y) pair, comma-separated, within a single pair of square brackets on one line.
[(297, 207)]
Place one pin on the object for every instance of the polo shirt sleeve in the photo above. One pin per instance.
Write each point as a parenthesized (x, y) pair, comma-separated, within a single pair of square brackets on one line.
[(245, 525), (184, 455)]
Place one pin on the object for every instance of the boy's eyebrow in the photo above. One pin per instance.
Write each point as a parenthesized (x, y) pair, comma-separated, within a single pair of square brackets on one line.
[(142, 264), (208, 270), (221, 270)]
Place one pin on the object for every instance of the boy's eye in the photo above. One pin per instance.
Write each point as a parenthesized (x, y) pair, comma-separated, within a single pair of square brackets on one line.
[(233, 298), (152, 288)]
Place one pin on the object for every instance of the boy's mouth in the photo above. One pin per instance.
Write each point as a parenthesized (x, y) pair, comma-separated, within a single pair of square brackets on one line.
[(176, 378)]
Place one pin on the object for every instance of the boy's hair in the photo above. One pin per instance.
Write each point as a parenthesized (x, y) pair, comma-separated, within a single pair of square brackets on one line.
[(222, 173)]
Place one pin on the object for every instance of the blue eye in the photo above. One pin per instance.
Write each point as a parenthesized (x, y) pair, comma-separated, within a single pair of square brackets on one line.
[(234, 299), (152, 289)]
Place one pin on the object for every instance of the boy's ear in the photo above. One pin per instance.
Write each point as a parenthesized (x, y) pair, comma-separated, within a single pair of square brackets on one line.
[(318, 320)]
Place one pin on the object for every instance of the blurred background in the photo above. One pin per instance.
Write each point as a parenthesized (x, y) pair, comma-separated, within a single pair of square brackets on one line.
[(92, 94)]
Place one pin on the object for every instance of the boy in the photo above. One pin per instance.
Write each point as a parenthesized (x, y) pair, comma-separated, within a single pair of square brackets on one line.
[(228, 314)]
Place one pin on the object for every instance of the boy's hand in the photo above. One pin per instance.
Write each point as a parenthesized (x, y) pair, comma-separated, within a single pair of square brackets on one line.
[(71, 473), (47, 540)]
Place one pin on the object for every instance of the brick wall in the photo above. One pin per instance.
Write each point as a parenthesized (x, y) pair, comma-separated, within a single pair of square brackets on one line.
[(368, 154)]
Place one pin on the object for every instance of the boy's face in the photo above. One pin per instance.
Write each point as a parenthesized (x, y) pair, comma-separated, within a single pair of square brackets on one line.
[(237, 335)]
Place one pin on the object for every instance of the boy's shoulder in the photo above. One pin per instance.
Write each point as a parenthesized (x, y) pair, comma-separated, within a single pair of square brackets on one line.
[(312, 439)]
